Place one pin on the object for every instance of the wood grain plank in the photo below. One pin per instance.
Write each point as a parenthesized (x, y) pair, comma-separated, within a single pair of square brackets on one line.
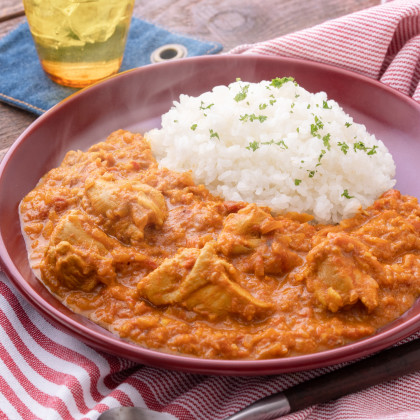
[(11, 13), (233, 22), (2, 153)]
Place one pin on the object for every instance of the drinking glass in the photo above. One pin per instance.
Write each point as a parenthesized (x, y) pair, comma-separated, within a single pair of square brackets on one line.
[(79, 41)]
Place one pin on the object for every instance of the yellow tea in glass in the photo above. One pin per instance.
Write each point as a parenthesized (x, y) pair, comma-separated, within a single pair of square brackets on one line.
[(79, 41)]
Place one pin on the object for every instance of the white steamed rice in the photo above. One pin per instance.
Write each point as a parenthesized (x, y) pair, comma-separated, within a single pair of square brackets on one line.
[(274, 143)]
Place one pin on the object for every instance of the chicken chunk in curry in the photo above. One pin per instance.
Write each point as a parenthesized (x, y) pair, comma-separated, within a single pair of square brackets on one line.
[(154, 258), (339, 272), (80, 256), (126, 207), (200, 281)]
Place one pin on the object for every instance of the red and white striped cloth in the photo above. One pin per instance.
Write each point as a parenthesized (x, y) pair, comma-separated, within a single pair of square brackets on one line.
[(382, 42), (47, 374)]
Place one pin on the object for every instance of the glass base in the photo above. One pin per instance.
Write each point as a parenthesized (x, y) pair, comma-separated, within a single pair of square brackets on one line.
[(79, 75)]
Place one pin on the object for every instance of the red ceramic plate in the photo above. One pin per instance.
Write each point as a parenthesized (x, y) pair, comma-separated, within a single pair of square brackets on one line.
[(135, 100)]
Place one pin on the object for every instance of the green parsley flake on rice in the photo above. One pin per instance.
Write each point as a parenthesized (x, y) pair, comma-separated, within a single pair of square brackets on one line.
[(276, 144)]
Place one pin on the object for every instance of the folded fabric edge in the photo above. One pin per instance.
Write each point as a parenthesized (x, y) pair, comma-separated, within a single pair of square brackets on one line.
[(21, 104)]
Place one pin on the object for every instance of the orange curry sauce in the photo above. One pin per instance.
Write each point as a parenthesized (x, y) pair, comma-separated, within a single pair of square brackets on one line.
[(158, 260)]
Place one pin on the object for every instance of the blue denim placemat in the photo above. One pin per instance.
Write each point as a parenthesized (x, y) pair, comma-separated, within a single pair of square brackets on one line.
[(24, 84)]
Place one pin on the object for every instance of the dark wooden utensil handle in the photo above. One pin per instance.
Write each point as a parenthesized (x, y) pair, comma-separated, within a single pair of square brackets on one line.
[(384, 366)]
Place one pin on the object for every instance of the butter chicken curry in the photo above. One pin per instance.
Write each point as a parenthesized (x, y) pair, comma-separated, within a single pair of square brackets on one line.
[(159, 261)]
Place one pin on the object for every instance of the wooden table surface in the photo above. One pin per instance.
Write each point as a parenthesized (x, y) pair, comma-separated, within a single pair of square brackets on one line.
[(230, 22)]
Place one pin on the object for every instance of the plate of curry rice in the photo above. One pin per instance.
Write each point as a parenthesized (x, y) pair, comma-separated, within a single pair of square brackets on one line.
[(117, 233)]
